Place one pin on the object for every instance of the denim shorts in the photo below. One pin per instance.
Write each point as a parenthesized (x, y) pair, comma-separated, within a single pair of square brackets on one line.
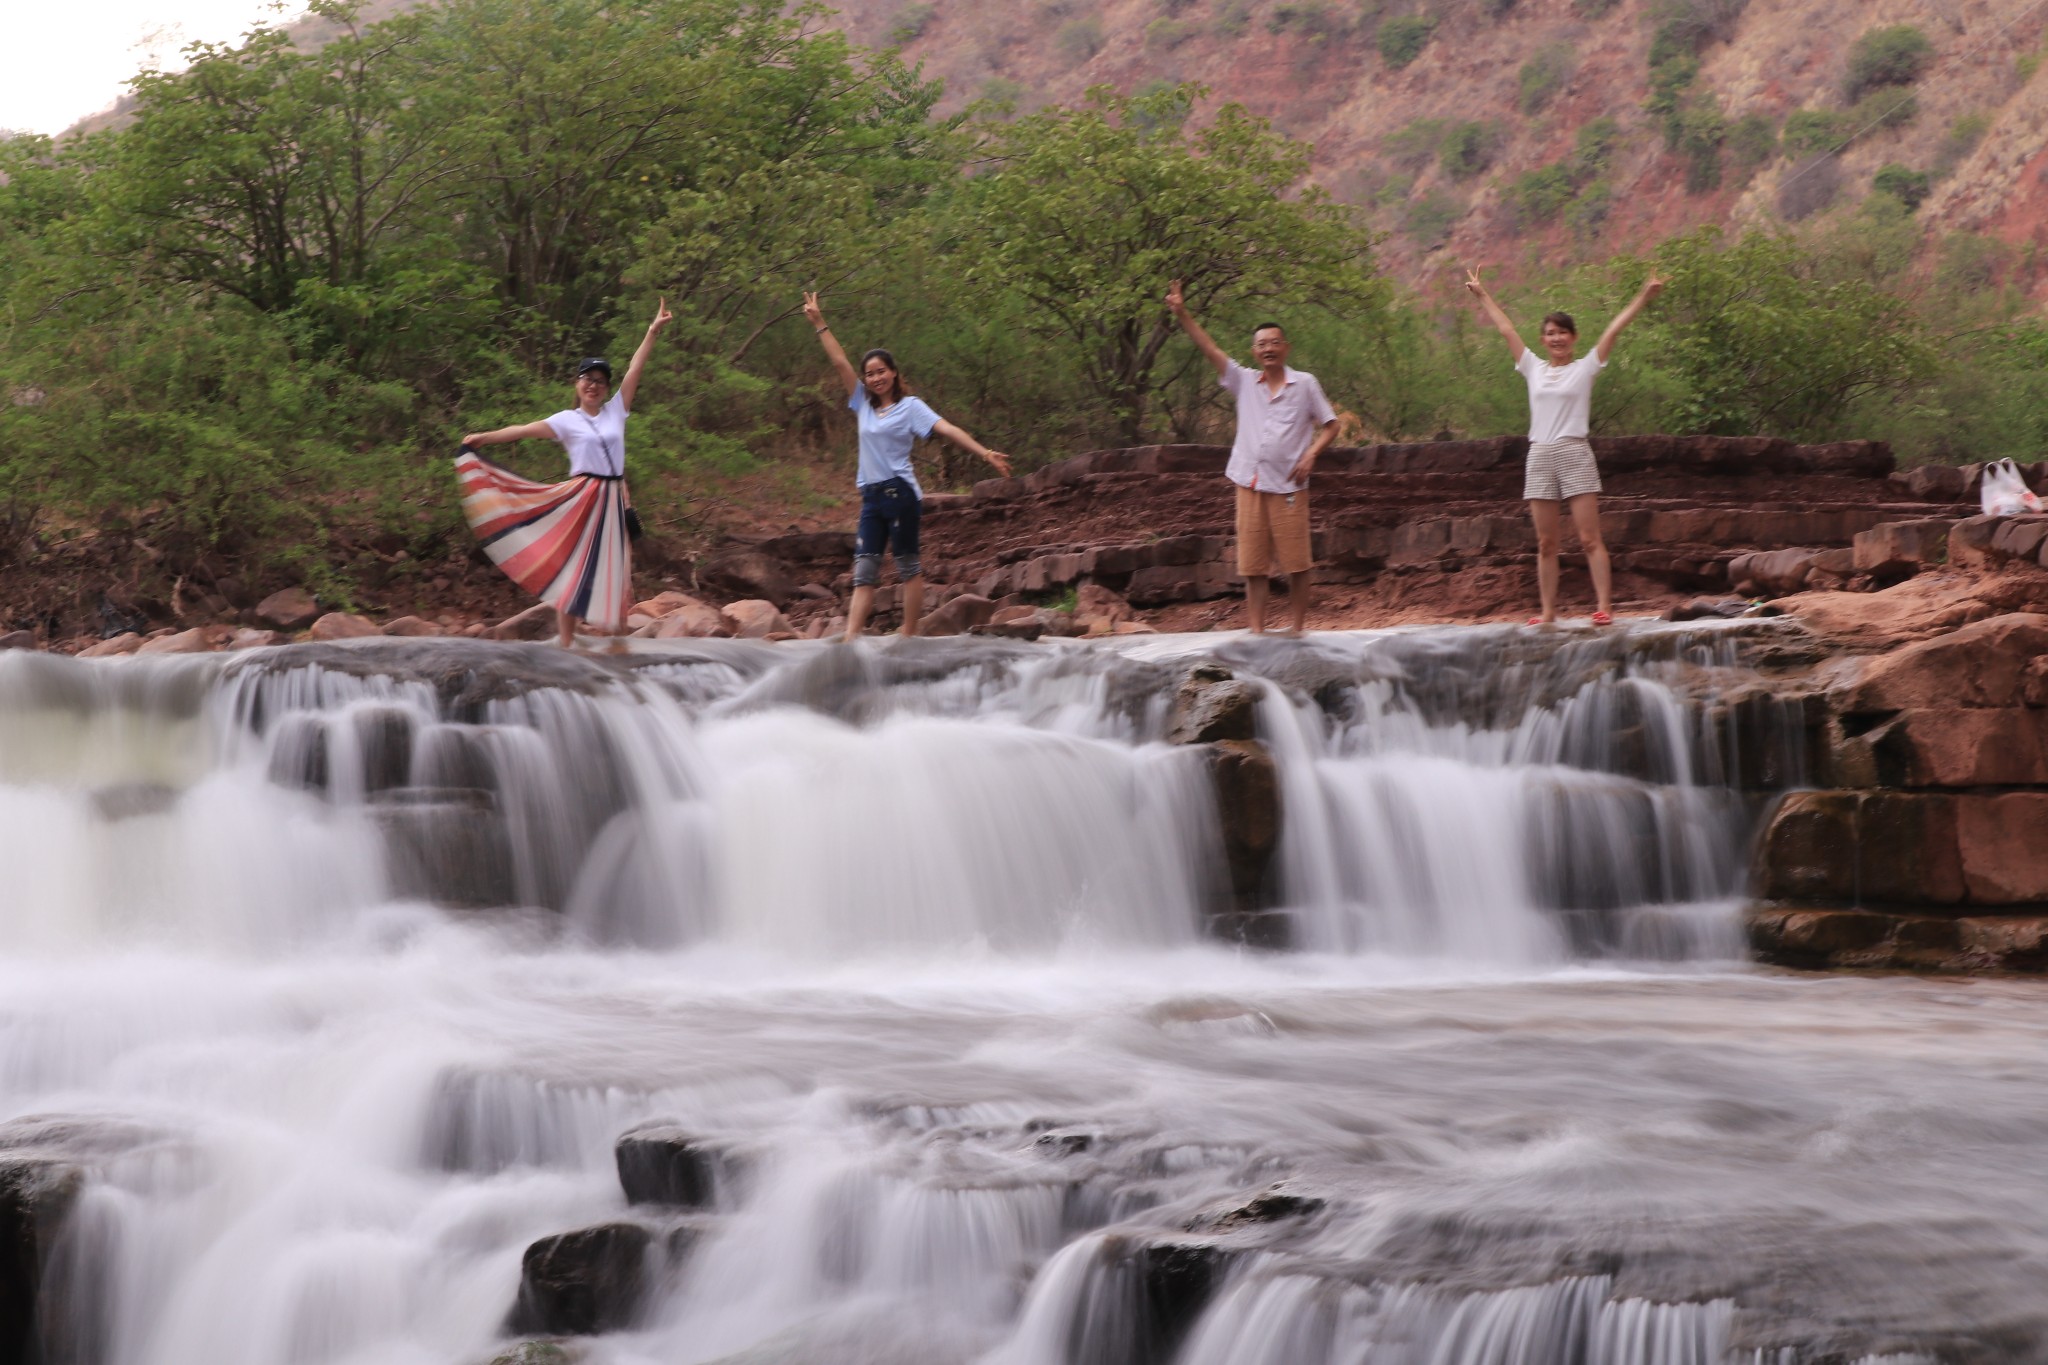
[(889, 516)]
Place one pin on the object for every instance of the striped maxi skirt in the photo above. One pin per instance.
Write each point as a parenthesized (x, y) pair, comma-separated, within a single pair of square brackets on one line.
[(563, 542)]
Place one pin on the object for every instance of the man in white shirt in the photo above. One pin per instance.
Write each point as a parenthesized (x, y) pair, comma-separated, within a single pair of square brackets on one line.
[(1284, 422)]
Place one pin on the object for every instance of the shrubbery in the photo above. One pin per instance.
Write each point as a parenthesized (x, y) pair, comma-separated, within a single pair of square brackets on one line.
[(1402, 38), (1886, 56)]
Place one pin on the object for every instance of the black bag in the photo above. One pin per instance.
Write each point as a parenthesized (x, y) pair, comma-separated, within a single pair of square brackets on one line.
[(633, 528)]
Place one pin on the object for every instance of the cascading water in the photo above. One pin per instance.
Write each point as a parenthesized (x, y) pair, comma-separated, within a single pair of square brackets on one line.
[(361, 983)]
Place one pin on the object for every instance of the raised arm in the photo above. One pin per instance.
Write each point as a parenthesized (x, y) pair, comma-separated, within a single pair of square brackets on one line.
[(834, 352), (969, 444), (631, 383), (531, 431), (1652, 287), (1203, 341), (1496, 314)]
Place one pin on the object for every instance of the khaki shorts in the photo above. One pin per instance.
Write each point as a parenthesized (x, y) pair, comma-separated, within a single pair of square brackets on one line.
[(1272, 532), (1558, 471)]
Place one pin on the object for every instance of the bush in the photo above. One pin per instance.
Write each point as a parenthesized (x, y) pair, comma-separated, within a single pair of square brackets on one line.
[(1593, 9), (1233, 17), (1809, 132), (1811, 187), (1701, 131), (1310, 19), (1882, 109), (1401, 39), (1588, 212), (1542, 76), (1594, 148), (1886, 56), (1079, 39), (1428, 221), (1468, 149), (1413, 145), (1539, 196), (910, 22), (1903, 183), (1963, 136), (1164, 35), (1752, 140)]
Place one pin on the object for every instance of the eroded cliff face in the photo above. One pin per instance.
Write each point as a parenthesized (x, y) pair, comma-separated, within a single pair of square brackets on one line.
[(1316, 67)]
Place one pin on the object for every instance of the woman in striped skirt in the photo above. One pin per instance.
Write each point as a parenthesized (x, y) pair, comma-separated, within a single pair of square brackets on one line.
[(567, 543), (1561, 468)]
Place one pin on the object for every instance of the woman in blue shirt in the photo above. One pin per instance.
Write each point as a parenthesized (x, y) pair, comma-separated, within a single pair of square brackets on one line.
[(891, 421)]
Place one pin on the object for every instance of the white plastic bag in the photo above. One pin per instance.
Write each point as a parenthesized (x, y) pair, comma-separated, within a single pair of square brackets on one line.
[(2004, 491)]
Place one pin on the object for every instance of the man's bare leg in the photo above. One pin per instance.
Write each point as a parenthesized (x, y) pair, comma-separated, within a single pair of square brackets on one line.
[(1255, 589), (913, 603), (1297, 600), (857, 611)]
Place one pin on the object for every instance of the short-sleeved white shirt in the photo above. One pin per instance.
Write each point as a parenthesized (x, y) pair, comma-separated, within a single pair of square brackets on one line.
[(596, 445), (1560, 396), (887, 436), (1274, 430)]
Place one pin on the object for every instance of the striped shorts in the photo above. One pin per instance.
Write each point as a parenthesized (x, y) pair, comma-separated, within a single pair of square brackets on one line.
[(1560, 470)]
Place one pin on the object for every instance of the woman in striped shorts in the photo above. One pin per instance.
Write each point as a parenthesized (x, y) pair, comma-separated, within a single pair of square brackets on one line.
[(567, 543), (1561, 468)]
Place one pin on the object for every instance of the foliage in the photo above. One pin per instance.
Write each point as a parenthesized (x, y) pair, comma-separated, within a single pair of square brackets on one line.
[(1402, 38), (1903, 183), (1160, 202), (1079, 39), (1414, 145), (1701, 130), (1164, 35), (1896, 55), (1809, 131), (1963, 136), (1540, 195), (1752, 141), (1315, 20), (1428, 221), (1542, 76), (1468, 148), (911, 21), (1233, 17)]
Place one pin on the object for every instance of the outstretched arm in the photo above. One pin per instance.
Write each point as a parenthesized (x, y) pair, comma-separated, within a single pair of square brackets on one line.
[(1203, 341), (834, 352), (1497, 315), (531, 431), (1652, 287), (968, 443), (631, 384)]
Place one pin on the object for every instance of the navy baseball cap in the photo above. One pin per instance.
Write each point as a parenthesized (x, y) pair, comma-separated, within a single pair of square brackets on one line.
[(595, 363)]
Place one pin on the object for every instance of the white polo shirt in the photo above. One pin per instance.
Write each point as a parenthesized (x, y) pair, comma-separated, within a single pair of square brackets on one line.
[(1274, 430)]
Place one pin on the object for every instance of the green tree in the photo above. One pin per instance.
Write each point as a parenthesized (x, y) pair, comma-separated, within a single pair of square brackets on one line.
[(1086, 213), (1402, 38), (1896, 55)]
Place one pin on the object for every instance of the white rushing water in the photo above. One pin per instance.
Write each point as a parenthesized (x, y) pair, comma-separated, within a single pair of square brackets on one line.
[(343, 973)]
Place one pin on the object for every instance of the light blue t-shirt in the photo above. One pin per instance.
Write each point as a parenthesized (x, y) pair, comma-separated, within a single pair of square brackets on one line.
[(887, 434)]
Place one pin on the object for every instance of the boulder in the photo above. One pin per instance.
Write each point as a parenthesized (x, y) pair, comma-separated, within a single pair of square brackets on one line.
[(749, 573), (1938, 482), (690, 619), (1938, 747), (755, 619), (125, 643), (1899, 549), (250, 638), (1092, 599), (1247, 786), (583, 1282), (537, 622), (1983, 664), (288, 609), (1212, 704), (662, 603), (342, 625), (660, 1163), (412, 626), (198, 640), (957, 615), (1708, 609), (1923, 605), (1770, 573), (18, 639), (2002, 842)]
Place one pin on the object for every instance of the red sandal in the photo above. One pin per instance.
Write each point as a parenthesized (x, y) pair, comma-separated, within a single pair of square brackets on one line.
[(1601, 618)]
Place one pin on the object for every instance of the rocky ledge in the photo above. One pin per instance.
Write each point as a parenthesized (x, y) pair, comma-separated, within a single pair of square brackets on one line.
[(1924, 845)]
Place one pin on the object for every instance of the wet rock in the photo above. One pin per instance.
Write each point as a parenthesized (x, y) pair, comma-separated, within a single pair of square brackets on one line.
[(1247, 786), (1708, 609), (288, 609), (662, 603), (958, 615), (1983, 664), (130, 800), (1179, 1280), (690, 619), (750, 573), (1029, 629), (249, 638), (1876, 940), (1213, 704), (2002, 844), (412, 626), (342, 625), (583, 1282), (17, 639), (1962, 748), (1771, 573), (1275, 1204), (1894, 550), (660, 1163), (756, 619), (1093, 599), (534, 1353), (537, 622), (447, 846), (126, 643), (198, 640)]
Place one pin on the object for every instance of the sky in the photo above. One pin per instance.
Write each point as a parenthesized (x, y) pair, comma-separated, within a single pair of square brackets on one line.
[(74, 58)]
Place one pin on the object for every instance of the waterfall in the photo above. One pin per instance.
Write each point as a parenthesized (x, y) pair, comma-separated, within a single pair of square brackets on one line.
[(337, 985)]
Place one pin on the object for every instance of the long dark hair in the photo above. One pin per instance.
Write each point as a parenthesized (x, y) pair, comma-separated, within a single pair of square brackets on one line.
[(897, 387)]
